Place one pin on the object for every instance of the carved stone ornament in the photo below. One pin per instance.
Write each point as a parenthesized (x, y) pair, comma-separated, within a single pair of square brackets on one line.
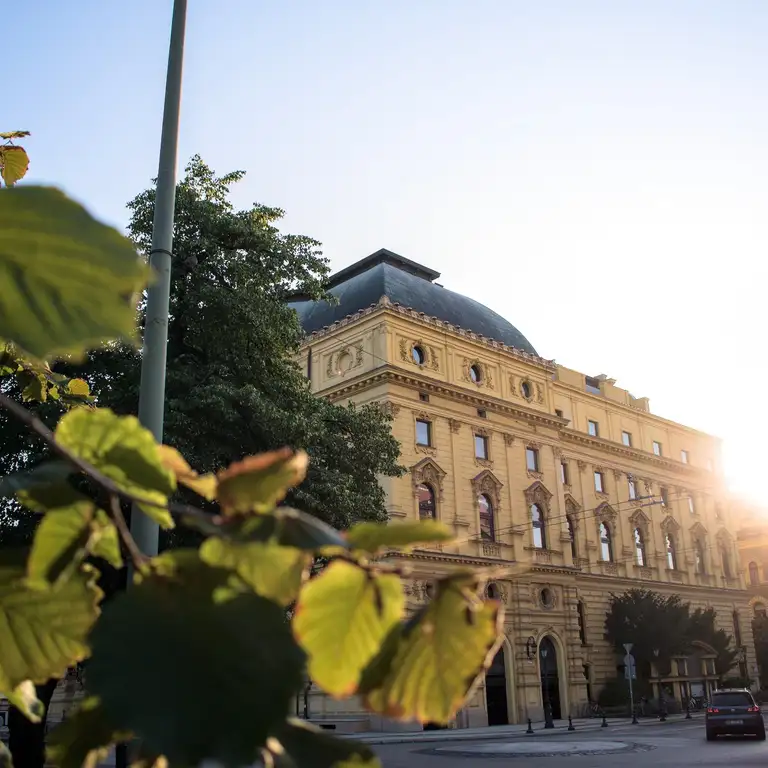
[(509, 439), (605, 513), (428, 472), (513, 386), (488, 484), (418, 590), (539, 393), (670, 525), (617, 473), (698, 530), (427, 450), (428, 351), (638, 519), (343, 360), (454, 424), (724, 537), (582, 465), (537, 493), (486, 380), (502, 593), (389, 408), (487, 463), (572, 508), (557, 453), (530, 386)]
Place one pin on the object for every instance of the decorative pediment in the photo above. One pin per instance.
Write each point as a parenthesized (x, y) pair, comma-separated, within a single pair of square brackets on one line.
[(639, 519), (670, 525), (724, 537), (428, 472), (605, 513), (572, 507), (486, 482), (698, 531), (537, 493)]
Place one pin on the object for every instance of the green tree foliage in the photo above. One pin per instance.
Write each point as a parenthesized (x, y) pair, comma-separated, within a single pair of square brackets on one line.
[(655, 622), (760, 634), (205, 622)]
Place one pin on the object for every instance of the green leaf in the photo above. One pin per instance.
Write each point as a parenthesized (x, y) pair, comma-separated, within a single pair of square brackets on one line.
[(372, 537), (341, 620), (24, 698), (197, 637), (309, 747), (258, 483), (69, 282), (439, 656), (43, 632), (78, 388), (14, 163), (15, 134), (203, 485), (84, 738), (65, 537), (49, 473), (120, 448), (272, 571)]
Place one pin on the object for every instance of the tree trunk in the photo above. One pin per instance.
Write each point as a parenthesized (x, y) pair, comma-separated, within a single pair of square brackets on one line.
[(27, 740)]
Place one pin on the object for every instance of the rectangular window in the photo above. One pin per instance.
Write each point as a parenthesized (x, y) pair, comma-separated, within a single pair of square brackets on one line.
[(564, 473), (626, 438), (558, 412), (657, 447), (481, 447), (632, 489), (423, 432), (691, 505), (593, 428), (592, 385), (481, 413), (599, 486), (664, 496), (532, 459), (424, 397), (684, 457)]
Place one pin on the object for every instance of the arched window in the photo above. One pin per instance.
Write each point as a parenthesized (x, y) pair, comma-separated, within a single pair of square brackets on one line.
[(487, 528), (426, 501), (759, 609), (639, 547), (698, 555), (572, 535), (671, 552), (726, 561), (754, 574), (539, 532), (606, 543), (582, 623)]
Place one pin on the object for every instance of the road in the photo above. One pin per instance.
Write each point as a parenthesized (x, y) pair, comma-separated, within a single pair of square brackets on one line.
[(661, 745)]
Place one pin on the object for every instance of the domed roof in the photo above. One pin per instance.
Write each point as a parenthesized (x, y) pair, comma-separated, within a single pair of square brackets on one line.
[(411, 285)]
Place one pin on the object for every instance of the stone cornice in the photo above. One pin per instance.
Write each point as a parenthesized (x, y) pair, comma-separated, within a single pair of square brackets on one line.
[(619, 449), (449, 558), (385, 306), (477, 399), (699, 590)]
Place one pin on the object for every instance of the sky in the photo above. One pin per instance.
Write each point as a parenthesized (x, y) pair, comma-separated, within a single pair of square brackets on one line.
[(593, 171)]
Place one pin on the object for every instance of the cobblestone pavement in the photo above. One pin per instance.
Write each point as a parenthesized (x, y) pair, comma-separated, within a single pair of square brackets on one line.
[(659, 745)]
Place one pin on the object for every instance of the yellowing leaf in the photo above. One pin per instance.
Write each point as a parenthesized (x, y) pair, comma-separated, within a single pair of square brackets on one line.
[(272, 571), (78, 387), (441, 653), (124, 451), (14, 134), (14, 163), (24, 698), (372, 537), (258, 483), (203, 485), (43, 632), (69, 282), (341, 620)]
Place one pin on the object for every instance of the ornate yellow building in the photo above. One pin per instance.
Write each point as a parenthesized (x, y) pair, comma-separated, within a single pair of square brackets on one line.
[(566, 483)]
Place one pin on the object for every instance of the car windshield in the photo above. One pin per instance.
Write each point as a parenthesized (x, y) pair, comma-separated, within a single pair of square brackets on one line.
[(736, 699)]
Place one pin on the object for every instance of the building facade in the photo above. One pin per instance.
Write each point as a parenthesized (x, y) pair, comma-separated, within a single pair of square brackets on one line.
[(565, 484)]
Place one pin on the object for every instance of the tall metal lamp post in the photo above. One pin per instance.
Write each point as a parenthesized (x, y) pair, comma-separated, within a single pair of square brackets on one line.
[(154, 351), (548, 722), (662, 698)]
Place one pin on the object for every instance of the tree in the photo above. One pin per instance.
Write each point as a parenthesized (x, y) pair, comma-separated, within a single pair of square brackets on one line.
[(760, 633), (653, 622), (213, 614), (233, 385)]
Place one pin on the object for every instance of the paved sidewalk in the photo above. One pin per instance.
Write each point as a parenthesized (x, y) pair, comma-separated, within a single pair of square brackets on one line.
[(505, 731)]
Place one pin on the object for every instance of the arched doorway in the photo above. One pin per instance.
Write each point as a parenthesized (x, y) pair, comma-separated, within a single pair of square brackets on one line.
[(496, 691), (550, 680)]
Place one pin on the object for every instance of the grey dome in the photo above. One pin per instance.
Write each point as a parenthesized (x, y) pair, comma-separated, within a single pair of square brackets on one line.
[(411, 285)]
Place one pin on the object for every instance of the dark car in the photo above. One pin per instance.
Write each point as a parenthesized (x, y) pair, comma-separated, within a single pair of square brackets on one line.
[(733, 710)]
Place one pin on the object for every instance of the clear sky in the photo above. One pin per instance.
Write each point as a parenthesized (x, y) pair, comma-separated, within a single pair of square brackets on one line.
[(593, 171)]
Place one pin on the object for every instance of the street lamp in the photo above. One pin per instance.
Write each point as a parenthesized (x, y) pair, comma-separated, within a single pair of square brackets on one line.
[(548, 722), (662, 699)]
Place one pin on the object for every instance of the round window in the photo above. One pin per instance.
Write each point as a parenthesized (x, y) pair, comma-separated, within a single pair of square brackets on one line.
[(475, 373), (418, 355), (547, 597), (344, 362), (527, 390), (429, 589)]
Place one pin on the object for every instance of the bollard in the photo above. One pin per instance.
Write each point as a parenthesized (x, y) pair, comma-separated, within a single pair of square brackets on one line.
[(688, 712), (604, 724), (571, 726), (530, 726)]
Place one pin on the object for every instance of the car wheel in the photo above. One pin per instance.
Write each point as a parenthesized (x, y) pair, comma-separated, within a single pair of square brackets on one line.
[(761, 735), (711, 735)]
